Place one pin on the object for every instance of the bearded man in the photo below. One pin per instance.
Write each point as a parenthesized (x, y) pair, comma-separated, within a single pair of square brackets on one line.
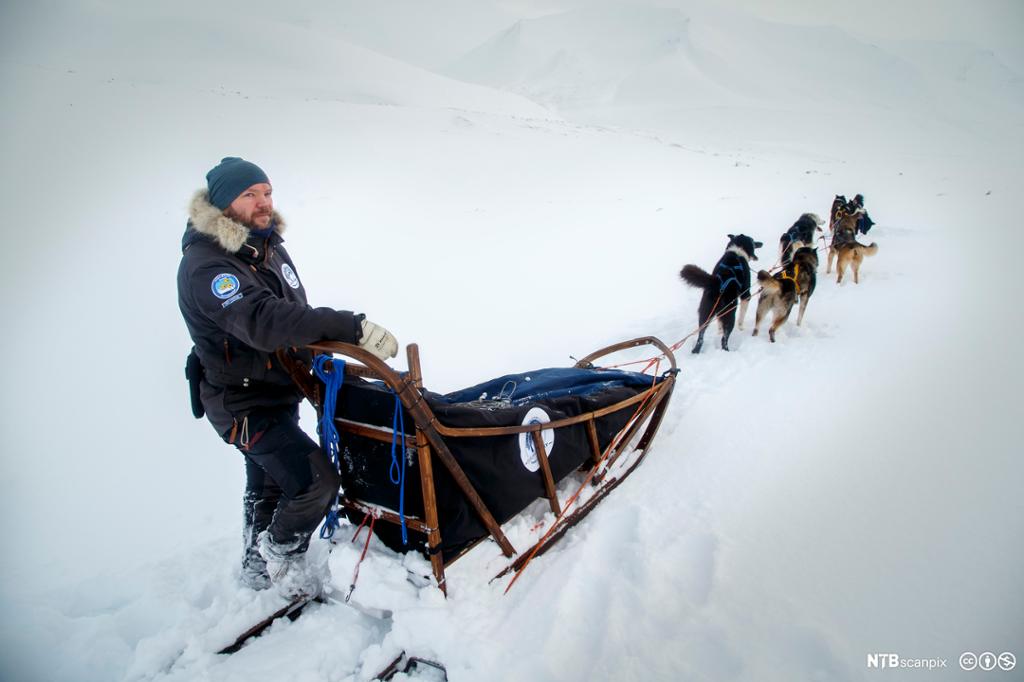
[(242, 300)]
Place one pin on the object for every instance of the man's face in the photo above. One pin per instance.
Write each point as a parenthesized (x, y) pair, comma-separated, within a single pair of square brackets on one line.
[(253, 207)]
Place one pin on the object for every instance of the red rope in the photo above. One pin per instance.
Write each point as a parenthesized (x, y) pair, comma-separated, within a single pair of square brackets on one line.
[(369, 535), (361, 524), (680, 342)]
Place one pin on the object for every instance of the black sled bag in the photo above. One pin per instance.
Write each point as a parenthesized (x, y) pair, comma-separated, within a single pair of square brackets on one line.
[(503, 469)]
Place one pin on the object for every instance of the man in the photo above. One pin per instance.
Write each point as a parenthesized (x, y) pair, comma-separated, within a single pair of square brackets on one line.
[(242, 299), (864, 222)]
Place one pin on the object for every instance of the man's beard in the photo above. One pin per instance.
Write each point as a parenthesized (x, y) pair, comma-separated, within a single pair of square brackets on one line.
[(251, 223)]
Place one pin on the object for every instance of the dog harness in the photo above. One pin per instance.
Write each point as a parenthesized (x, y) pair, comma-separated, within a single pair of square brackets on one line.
[(731, 276), (796, 273)]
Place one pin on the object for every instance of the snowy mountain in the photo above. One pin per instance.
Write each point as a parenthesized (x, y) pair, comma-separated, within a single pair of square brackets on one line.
[(852, 489), (275, 58), (577, 58), (734, 76), (605, 56)]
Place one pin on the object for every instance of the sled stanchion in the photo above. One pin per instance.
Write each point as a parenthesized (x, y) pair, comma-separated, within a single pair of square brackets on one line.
[(430, 511), (427, 479), (425, 424), (545, 469), (595, 446)]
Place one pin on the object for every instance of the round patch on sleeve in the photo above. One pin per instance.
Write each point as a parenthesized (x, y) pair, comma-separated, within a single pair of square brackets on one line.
[(290, 276), (224, 285)]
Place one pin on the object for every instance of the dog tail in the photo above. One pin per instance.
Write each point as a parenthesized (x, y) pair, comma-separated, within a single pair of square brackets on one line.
[(871, 249), (767, 282), (696, 277)]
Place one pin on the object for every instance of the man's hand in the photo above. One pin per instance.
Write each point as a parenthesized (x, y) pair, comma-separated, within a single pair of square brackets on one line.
[(378, 341)]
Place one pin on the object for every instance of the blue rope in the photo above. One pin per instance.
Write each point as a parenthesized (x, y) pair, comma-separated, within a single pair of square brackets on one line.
[(329, 440), (397, 471)]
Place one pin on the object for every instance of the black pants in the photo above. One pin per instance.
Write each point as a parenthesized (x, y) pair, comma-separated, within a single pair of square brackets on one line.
[(290, 482)]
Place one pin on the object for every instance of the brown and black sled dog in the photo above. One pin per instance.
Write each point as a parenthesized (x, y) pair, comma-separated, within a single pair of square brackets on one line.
[(844, 231), (838, 208), (852, 253), (781, 292), (723, 286)]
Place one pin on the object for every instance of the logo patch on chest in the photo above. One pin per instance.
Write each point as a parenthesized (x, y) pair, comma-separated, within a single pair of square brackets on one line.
[(224, 285), (290, 276)]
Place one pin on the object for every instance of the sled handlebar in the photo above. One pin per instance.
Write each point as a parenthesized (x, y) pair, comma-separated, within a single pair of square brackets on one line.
[(632, 343)]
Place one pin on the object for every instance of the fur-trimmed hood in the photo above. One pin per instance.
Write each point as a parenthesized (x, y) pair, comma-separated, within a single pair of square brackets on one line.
[(207, 219)]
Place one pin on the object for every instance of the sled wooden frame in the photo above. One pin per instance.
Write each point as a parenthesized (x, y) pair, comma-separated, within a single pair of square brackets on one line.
[(428, 438)]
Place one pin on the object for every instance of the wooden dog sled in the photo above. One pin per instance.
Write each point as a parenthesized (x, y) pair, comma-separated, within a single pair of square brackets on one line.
[(476, 458)]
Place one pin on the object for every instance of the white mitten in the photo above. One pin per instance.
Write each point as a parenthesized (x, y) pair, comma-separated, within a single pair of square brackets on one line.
[(378, 341)]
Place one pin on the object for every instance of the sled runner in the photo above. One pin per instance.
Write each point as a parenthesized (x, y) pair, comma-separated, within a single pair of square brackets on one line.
[(444, 472), (295, 608), (411, 664)]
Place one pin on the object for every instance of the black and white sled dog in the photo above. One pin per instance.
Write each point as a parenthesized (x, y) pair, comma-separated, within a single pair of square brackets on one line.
[(799, 235), (779, 293), (723, 286)]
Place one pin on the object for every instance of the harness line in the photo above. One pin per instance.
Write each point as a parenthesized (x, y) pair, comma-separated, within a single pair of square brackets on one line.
[(713, 317)]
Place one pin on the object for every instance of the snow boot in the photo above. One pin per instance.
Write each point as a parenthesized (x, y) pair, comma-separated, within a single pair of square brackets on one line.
[(294, 573), (254, 573)]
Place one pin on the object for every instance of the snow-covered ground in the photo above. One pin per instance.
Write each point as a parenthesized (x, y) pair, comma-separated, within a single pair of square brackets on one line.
[(852, 489)]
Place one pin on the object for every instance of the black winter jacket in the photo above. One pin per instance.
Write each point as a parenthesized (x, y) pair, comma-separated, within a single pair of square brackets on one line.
[(242, 299)]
